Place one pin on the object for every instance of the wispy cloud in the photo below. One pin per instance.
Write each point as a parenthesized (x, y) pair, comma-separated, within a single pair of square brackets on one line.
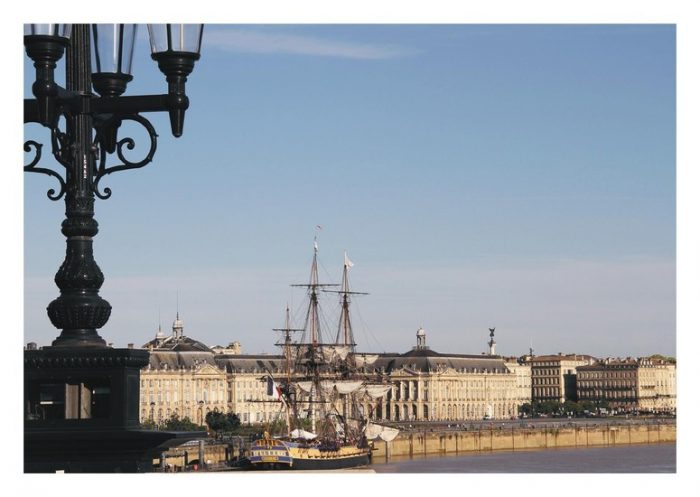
[(252, 41)]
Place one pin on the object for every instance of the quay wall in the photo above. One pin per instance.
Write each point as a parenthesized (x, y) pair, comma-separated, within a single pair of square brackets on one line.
[(454, 442), (177, 458)]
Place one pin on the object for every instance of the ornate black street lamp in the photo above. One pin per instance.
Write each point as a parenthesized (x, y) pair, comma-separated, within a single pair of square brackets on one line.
[(92, 124), (82, 396)]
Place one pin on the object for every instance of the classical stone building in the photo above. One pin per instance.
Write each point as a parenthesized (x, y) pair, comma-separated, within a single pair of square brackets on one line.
[(247, 385), (521, 367), (181, 378), (657, 385), (554, 376), (431, 386), (187, 378), (642, 384)]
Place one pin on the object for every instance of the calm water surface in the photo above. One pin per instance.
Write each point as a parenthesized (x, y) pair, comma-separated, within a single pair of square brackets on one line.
[(653, 458)]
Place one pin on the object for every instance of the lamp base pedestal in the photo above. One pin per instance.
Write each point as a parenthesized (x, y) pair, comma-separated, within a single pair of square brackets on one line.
[(82, 412)]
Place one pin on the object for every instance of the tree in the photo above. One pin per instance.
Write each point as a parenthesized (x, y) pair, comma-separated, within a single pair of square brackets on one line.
[(149, 424), (572, 407), (525, 409), (669, 359), (222, 422), (174, 423), (547, 407)]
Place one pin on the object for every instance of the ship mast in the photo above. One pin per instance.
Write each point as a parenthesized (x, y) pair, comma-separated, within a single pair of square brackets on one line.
[(313, 327), (345, 335), (288, 330), (313, 286)]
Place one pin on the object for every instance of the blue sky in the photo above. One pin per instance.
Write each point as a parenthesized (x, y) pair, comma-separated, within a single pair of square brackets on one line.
[(516, 176)]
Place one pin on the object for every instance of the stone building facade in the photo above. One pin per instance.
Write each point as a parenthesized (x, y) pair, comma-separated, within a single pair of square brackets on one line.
[(181, 378), (522, 368), (187, 378), (554, 376), (431, 386), (641, 384)]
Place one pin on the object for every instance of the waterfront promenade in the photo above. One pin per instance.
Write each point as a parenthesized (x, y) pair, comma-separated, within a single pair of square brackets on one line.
[(429, 439)]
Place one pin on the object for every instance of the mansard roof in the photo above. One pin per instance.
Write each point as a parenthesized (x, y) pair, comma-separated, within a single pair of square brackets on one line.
[(426, 360), (176, 353), (598, 366), (249, 363), (563, 357), (176, 344), (175, 359)]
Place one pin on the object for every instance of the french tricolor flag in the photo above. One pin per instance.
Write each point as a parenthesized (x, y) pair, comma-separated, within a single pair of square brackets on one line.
[(273, 389)]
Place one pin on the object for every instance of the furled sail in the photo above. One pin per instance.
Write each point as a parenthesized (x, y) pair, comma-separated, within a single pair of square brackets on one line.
[(305, 386), (362, 360), (299, 433), (376, 391), (343, 387), (331, 352), (374, 431), (301, 353)]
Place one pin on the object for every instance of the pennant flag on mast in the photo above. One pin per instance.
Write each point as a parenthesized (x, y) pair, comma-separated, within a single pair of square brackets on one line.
[(348, 262)]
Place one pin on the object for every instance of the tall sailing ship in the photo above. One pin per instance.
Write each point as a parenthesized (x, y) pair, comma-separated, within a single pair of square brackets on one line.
[(322, 393)]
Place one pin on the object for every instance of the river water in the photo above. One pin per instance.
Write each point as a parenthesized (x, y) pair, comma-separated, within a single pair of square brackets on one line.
[(651, 458)]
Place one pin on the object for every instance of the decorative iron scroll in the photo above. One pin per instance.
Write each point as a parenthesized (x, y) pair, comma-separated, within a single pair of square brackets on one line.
[(102, 170), (31, 168)]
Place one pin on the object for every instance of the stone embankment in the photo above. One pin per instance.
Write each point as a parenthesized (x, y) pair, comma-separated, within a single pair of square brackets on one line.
[(416, 443)]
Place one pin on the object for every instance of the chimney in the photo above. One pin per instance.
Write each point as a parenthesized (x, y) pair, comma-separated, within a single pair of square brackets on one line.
[(31, 346), (129, 345)]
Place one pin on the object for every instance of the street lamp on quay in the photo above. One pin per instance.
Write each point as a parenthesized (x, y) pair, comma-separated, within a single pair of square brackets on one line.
[(92, 123), (98, 430)]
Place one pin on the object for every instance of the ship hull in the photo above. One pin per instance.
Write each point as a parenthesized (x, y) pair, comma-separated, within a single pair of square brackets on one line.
[(278, 455), (312, 464), (331, 463)]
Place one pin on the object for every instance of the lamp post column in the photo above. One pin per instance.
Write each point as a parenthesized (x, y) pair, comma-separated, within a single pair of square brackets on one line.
[(79, 310)]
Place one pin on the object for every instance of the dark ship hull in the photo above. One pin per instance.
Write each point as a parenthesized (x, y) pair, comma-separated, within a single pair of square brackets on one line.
[(287, 455)]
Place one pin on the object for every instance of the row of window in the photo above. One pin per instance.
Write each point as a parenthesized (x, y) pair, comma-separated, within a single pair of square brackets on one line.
[(545, 372), (202, 395), (541, 392), (176, 383), (605, 374), (545, 381), (609, 384)]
